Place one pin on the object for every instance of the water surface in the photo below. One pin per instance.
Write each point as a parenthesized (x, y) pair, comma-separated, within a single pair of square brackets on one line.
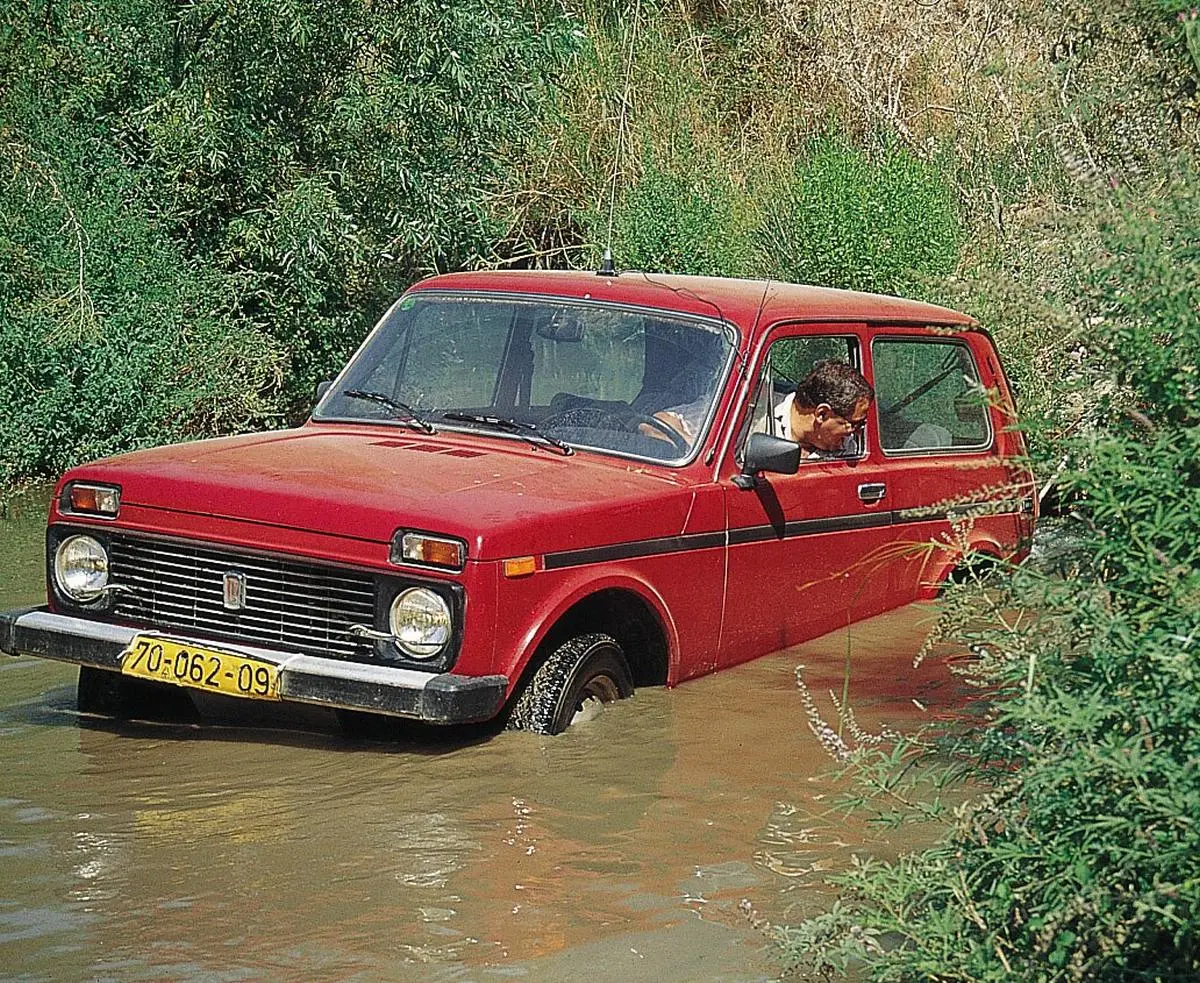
[(261, 845)]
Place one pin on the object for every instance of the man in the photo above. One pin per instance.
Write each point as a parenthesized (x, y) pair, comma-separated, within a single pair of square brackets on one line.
[(824, 415), (826, 412)]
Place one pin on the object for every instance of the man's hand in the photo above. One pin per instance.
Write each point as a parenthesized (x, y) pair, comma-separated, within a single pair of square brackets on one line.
[(672, 420)]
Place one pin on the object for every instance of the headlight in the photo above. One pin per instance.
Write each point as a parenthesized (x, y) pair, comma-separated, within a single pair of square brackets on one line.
[(81, 568), (420, 622)]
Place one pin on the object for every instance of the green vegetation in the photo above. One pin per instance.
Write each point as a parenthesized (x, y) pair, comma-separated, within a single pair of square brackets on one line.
[(204, 205), (677, 221), (110, 337), (883, 221), (1075, 858)]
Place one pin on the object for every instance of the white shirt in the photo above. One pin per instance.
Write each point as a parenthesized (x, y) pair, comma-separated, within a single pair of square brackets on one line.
[(782, 417)]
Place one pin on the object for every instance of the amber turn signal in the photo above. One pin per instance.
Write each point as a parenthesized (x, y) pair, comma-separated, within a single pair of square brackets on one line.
[(102, 500), (430, 551), (521, 566)]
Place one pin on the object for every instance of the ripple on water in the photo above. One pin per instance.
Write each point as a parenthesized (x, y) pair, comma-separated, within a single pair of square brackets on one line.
[(20, 923), (261, 845)]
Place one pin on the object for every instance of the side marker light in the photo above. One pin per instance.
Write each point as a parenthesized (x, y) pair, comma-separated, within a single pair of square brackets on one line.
[(521, 566)]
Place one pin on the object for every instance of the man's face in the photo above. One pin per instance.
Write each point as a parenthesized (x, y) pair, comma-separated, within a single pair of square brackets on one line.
[(831, 430)]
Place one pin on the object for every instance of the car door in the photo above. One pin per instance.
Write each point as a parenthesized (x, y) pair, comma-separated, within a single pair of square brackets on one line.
[(808, 552)]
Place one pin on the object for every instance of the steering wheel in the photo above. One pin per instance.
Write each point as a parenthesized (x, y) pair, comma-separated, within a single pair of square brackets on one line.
[(674, 436), (624, 420)]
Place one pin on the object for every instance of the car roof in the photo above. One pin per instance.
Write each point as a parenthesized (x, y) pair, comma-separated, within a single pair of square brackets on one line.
[(744, 303)]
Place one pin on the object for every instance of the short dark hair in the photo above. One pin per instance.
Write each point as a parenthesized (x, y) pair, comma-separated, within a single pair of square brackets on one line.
[(836, 383)]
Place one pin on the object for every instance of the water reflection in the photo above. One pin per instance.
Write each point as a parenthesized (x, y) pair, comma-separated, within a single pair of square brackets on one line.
[(261, 845)]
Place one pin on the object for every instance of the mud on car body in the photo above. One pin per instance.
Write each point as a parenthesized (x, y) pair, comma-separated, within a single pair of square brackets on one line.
[(487, 515)]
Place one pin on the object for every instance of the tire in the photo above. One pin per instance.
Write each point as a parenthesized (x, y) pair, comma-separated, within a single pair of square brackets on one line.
[(582, 669), (109, 694), (359, 725)]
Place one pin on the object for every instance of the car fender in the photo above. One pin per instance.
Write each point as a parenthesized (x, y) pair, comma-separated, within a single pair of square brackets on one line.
[(942, 563), (578, 585)]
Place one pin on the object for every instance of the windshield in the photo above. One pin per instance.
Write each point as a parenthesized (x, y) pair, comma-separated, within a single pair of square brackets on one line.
[(581, 374)]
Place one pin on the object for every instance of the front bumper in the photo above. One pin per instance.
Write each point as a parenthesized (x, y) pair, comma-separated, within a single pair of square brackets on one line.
[(439, 698)]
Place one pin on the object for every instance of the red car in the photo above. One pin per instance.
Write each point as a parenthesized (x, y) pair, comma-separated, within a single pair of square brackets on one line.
[(532, 490)]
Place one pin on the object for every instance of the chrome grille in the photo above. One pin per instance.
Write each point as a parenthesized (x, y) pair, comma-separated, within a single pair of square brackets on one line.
[(289, 604)]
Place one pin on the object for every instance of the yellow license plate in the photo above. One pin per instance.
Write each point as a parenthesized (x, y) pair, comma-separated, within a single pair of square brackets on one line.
[(165, 661)]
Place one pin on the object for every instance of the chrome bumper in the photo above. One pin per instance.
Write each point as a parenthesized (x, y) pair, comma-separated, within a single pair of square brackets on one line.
[(440, 698)]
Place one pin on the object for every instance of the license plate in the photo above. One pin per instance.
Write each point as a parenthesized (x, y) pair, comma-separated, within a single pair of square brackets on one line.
[(165, 661)]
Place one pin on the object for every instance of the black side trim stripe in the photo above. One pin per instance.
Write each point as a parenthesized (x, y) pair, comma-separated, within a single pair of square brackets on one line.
[(809, 527), (640, 547), (759, 534)]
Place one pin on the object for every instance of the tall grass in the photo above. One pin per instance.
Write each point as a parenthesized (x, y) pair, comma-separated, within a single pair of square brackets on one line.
[(1077, 856)]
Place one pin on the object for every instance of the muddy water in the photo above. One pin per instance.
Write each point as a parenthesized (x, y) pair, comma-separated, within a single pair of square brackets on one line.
[(270, 848)]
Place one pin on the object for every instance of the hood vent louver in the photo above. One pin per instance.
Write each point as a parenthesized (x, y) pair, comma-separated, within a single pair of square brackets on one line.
[(428, 448)]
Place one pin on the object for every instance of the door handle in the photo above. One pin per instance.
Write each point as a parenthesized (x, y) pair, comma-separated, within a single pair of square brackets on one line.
[(872, 492)]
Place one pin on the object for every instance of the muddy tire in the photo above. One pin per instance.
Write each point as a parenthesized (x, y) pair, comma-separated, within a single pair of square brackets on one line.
[(109, 694), (583, 669), (359, 725)]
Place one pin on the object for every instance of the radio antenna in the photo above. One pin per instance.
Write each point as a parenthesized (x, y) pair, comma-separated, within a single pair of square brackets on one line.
[(607, 268)]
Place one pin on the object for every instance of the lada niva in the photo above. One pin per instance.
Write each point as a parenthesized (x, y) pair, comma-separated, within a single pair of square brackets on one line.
[(529, 493)]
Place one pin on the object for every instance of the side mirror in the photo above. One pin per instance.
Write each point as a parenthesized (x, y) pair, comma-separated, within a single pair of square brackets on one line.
[(322, 389), (767, 453)]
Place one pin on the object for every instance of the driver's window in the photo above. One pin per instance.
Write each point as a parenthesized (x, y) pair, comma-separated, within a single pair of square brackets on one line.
[(788, 361)]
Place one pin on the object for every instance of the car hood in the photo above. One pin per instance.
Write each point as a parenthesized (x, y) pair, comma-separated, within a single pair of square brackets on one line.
[(502, 497)]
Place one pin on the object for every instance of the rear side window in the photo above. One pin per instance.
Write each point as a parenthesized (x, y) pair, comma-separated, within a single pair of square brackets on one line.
[(929, 396)]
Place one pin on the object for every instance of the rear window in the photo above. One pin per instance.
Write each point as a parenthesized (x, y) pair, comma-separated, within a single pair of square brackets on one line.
[(929, 396)]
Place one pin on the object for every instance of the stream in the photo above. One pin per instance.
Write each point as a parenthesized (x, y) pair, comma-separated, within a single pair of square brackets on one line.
[(262, 845)]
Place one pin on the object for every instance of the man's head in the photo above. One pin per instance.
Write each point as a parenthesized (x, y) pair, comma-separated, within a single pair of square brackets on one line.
[(831, 403)]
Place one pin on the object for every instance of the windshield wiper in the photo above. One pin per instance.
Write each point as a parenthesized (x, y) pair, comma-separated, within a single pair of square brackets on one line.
[(404, 412), (528, 431)]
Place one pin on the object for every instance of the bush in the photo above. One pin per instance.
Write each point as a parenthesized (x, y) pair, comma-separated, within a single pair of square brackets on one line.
[(880, 220), (109, 338), (1078, 855), (690, 222)]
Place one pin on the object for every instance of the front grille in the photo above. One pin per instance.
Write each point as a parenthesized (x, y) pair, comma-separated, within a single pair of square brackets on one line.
[(289, 604)]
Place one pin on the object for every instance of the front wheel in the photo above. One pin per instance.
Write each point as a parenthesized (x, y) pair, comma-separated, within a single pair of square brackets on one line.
[(110, 694), (580, 675)]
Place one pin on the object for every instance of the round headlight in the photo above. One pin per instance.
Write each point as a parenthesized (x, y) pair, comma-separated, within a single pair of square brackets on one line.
[(420, 621), (81, 568)]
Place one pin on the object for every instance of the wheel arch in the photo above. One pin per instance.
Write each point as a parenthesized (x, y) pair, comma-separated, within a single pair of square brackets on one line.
[(626, 609), (981, 551)]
